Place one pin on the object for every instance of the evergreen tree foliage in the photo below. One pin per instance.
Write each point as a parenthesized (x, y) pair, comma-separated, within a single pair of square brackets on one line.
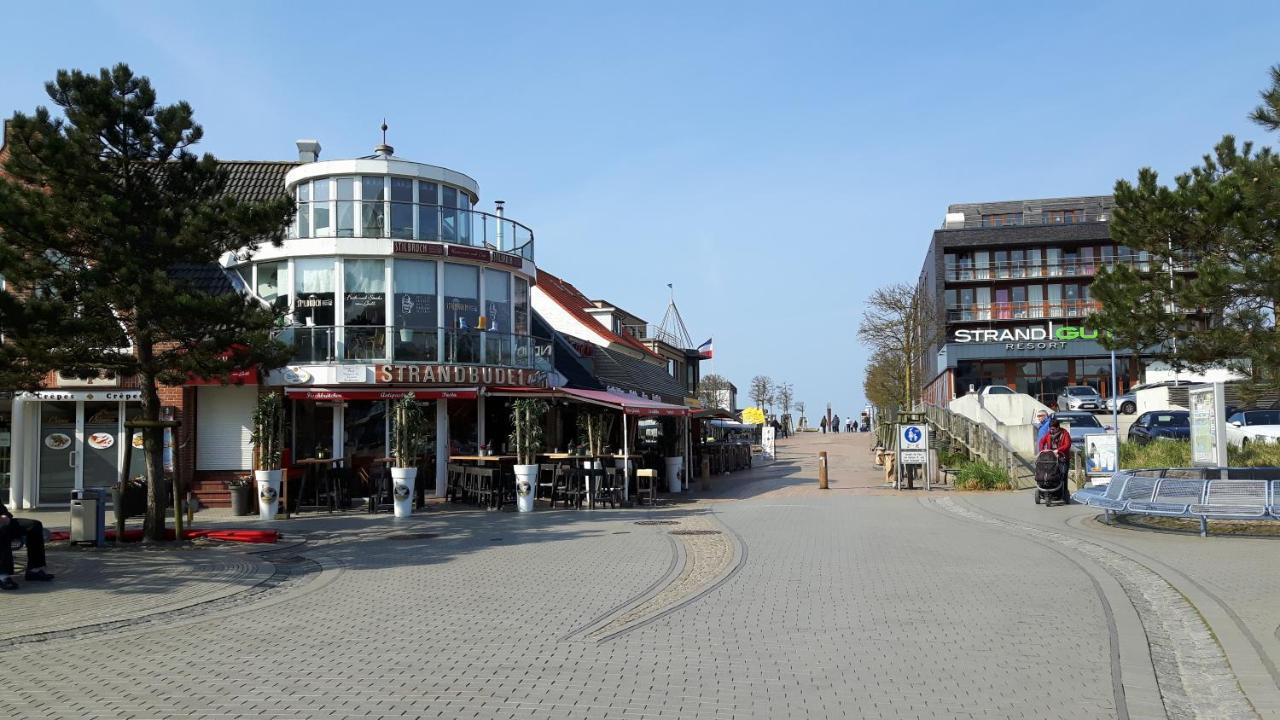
[(1209, 295), (97, 206)]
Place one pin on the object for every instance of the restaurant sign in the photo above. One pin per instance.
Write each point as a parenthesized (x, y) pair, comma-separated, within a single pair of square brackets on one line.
[(1037, 337), (483, 376)]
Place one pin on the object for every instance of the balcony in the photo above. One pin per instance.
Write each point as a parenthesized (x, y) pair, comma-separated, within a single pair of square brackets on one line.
[(1023, 311), (320, 344), (412, 221), (1022, 219), (650, 331), (1022, 270)]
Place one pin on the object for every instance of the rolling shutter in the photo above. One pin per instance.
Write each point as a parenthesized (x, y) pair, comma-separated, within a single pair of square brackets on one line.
[(222, 427)]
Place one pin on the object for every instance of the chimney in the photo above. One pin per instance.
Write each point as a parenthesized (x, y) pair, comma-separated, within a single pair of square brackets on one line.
[(308, 151)]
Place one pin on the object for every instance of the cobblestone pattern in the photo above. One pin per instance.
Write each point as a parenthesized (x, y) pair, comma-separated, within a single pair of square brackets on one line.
[(708, 556), (1194, 677), (121, 585)]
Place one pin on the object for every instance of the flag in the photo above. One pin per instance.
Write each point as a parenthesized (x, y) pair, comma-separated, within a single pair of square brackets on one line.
[(705, 349)]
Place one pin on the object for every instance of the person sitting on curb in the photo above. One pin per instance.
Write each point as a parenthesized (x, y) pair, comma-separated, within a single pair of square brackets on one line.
[(32, 531)]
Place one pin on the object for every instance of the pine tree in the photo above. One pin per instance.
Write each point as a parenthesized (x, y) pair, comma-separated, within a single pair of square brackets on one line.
[(1210, 293), (96, 207)]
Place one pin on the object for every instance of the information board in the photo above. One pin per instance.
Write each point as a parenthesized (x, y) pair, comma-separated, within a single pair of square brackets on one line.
[(1208, 425), (1102, 455)]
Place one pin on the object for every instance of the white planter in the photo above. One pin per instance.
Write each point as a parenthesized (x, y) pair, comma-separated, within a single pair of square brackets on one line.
[(268, 492), (674, 466), (402, 490), (406, 335), (526, 486)]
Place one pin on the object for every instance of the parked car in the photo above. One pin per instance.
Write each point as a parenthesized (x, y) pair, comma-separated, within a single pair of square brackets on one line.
[(1253, 426), (1079, 397), (1128, 402), (1172, 424), (1081, 424), (998, 390)]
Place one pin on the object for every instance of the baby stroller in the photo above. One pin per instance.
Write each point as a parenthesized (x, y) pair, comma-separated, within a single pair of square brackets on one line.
[(1051, 480)]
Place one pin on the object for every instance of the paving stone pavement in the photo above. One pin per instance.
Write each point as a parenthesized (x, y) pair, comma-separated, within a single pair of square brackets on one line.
[(854, 603)]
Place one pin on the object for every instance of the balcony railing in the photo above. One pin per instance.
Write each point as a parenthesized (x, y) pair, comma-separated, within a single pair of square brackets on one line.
[(1014, 219), (653, 332), (1023, 311), (412, 221), (318, 344), (1014, 270)]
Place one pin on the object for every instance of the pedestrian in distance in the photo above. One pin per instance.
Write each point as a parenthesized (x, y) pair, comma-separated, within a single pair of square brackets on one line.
[(823, 424), (835, 423)]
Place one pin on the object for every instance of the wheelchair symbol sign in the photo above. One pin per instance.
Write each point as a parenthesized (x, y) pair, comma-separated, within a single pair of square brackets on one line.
[(912, 434)]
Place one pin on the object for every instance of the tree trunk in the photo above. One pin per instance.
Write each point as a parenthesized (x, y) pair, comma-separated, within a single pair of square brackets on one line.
[(153, 444)]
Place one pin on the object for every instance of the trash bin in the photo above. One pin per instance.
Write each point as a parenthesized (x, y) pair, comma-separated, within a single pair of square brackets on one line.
[(88, 516)]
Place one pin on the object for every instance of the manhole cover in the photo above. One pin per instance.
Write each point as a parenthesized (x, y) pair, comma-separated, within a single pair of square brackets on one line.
[(413, 536), (695, 532), (657, 522)]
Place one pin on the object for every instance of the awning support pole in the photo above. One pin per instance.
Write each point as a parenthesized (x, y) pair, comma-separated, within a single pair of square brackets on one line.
[(626, 457)]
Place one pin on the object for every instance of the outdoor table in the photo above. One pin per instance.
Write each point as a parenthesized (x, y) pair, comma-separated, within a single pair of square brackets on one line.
[(480, 458), (312, 466)]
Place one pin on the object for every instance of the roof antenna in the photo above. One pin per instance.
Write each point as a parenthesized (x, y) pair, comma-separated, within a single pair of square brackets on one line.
[(384, 150)]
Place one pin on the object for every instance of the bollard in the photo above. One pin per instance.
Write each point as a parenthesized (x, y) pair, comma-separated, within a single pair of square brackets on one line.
[(706, 474), (822, 470)]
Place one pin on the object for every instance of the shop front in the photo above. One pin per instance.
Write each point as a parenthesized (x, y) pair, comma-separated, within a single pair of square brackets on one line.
[(57, 441)]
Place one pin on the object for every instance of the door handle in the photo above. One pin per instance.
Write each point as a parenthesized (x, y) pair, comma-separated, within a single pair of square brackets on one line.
[(71, 458)]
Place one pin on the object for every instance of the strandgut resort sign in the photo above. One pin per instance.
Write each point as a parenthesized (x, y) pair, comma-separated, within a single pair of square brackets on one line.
[(1036, 337)]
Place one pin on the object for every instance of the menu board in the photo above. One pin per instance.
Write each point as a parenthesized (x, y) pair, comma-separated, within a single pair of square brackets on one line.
[(415, 310)]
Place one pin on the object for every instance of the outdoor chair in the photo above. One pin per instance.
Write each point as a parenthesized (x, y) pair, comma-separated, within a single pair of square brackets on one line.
[(1233, 499), (593, 479), (1172, 497), (610, 487), (647, 486), (547, 473), (455, 482), (487, 492), (568, 487)]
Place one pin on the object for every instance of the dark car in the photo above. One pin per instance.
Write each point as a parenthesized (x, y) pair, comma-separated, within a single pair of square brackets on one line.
[(1157, 424)]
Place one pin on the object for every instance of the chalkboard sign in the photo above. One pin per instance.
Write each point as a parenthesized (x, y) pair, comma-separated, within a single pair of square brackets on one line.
[(415, 310)]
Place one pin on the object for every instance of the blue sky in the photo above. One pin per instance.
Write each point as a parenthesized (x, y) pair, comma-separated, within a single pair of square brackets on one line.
[(775, 161)]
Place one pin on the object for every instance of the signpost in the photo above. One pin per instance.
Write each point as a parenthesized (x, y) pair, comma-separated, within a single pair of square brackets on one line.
[(913, 452), (1208, 425)]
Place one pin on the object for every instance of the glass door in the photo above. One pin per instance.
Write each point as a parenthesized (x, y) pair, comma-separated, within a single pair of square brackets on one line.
[(100, 448), (58, 451)]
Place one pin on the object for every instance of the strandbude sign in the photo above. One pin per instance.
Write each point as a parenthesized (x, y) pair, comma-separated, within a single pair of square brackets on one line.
[(478, 375)]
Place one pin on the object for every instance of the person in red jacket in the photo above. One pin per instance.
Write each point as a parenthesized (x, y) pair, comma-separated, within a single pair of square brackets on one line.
[(1059, 441)]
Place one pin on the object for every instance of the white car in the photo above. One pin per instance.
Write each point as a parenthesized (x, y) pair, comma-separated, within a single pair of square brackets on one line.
[(1252, 426)]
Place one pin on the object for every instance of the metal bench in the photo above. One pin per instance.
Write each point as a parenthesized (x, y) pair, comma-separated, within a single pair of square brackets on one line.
[(1244, 499), (1275, 499), (1135, 488), (1109, 499), (1173, 497)]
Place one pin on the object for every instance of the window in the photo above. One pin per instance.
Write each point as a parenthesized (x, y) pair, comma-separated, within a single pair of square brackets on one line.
[(346, 206), (999, 219), (673, 368), (372, 211), (303, 227), (1063, 217), (415, 310), (402, 208), (521, 324), (1002, 263), (449, 216), (314, 286), (461, 311), (428, 211), (364, 301), (271, 284), (320, 212)]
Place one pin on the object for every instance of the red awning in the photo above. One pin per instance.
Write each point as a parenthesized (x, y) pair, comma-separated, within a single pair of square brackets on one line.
[(536, 392), (383, 394), (628, 404)]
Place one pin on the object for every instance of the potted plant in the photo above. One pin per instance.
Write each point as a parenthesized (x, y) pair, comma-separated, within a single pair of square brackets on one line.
[(267, 435), (241, 490), (408, 439), (526, 438), (674, 460)]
